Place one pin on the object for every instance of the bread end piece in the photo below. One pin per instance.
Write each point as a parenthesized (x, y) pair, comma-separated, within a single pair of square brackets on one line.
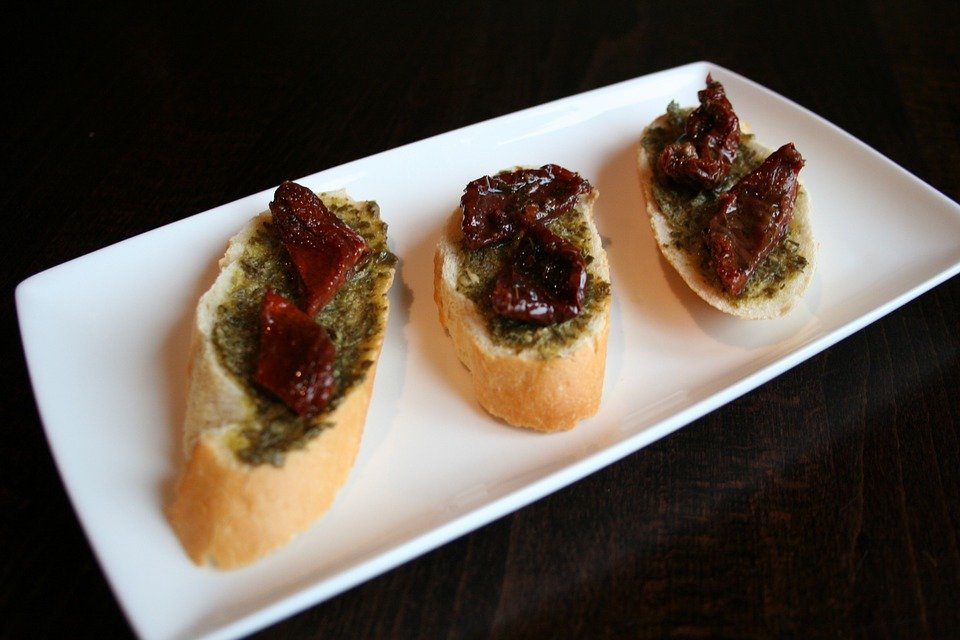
[(522, 388)]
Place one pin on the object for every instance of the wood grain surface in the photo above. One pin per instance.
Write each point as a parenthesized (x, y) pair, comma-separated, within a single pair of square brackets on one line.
[(825, 504)]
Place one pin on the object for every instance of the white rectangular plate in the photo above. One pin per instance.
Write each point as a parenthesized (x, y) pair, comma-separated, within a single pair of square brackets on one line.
[(106, 339)]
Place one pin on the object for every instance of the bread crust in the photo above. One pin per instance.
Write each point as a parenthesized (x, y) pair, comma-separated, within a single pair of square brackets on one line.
[(692, 273), (227, 512), (523, 388)]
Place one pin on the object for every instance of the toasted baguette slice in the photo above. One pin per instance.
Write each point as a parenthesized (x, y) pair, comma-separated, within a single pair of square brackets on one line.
[(241, 495), (549, 384), (772, 300)]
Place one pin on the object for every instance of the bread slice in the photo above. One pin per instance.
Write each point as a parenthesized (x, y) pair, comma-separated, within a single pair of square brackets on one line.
[(255, 474), (547, 378), (767, 295)]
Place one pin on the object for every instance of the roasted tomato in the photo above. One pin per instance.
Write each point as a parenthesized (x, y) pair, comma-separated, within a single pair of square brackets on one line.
[(545, 283), (704, 154), (752, 217), (323, 248), (496, 207), (296, 355)]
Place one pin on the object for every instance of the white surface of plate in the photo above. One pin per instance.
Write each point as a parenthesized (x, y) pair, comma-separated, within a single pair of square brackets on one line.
[(107, 362)]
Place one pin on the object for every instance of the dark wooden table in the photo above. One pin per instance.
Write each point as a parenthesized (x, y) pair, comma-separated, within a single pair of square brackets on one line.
[(824, 504)]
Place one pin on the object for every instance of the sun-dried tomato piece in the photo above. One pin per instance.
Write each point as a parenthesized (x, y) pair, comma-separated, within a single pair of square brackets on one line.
[(496, 207), (323, 248), (546, 281), (753, 216), (295, 360), (704, 154)]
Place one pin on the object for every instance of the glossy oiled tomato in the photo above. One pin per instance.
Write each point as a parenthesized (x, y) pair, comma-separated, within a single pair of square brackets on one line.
[(752, 217), (703, 156), (544, 281), (496, 207), (296, 355), (323, 248)]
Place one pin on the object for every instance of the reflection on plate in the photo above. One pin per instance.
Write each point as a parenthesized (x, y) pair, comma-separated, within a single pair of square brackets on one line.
[(107, 363)]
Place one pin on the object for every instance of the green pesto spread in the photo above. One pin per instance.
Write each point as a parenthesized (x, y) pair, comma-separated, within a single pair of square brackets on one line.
[(689, 210), (478, 274), (352, 318)]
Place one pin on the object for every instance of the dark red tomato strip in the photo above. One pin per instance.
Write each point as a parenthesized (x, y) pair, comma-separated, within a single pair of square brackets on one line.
[(545, 283), (295, 361), (497, 207), (753, 216), (704, 155), (323, 248)]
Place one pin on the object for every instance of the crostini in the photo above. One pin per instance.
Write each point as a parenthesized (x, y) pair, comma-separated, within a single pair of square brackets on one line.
[(283, 357), (522, 285), (732, 218)]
